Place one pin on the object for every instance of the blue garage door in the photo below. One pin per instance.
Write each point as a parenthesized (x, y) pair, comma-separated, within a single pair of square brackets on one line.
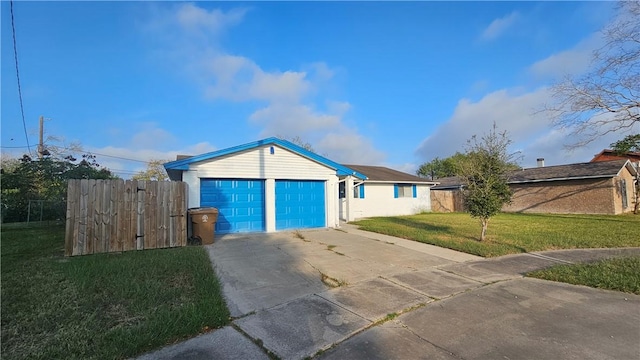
[(299, 204), (240, 203)]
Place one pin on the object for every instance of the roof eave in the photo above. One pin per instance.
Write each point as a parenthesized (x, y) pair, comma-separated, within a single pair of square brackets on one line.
[(340, 170)]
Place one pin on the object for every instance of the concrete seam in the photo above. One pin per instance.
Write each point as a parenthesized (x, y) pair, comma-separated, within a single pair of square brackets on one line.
[(545, 257), (259, 343), (406, 286), (425, 340)]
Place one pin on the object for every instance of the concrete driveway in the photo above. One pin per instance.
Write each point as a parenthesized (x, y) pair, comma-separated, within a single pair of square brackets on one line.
[(351, 294)]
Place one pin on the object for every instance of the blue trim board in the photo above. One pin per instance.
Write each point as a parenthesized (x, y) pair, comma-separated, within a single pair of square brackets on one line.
[(340, 169)]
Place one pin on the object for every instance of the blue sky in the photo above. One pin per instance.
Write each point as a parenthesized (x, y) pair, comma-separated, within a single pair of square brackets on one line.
[(393, 84)]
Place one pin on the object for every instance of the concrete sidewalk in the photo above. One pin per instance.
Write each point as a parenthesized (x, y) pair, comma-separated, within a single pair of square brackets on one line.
[(401, 299)]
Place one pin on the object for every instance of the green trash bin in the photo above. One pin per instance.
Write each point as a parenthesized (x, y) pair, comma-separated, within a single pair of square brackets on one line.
[(203, 224)]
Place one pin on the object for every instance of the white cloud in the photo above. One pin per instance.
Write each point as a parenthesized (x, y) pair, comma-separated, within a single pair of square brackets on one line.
[(193, 18), (531, 132), (510, 110), (349, 147), (294, 106), (150, 142), (571, 61), (239, 79), (149, 136), (293, 120), (499, 26)]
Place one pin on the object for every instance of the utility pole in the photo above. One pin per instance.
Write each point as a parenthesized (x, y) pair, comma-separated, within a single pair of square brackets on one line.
[(41, 142), (41, 150)]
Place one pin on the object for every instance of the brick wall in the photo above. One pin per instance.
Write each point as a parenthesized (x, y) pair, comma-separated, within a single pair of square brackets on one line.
[(588, 196)]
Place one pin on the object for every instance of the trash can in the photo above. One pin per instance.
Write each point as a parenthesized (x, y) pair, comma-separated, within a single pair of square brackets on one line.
[(203, 222)]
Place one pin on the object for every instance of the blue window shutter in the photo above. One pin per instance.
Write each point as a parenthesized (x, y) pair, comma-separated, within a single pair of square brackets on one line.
[(361, 191), (395, 191), (415, 191)]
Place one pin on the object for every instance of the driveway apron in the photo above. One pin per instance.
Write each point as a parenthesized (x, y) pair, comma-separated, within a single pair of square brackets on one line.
[(335, 294)]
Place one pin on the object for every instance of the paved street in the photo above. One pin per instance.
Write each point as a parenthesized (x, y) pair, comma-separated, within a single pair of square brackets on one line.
[(351, 294)]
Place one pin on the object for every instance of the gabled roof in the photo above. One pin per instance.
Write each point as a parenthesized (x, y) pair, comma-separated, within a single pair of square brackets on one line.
[(589, 170), (608, 154), (384, 174), (341, 170)]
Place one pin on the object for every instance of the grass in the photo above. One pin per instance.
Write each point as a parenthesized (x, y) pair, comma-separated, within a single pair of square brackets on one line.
[(622, 274), (511, 233), (105, 306)]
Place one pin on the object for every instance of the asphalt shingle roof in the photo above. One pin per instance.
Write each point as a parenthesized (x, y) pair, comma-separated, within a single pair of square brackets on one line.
[(586, 170), (381, 173), (569, 171)]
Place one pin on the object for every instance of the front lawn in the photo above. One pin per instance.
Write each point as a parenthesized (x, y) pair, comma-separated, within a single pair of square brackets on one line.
[(105, 306), (511, 233), (621, 274)]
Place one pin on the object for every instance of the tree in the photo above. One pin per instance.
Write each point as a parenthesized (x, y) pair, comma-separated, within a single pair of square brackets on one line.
[(606, 98), (155, 171), (630, 143), (485, 176), (297, 140), (44, 179), (439, 168)]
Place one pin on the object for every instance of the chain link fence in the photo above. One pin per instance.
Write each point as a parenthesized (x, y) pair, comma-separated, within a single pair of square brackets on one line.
[(33, 211)]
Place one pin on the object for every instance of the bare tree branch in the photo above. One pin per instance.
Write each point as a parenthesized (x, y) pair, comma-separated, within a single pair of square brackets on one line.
[(605, 98)]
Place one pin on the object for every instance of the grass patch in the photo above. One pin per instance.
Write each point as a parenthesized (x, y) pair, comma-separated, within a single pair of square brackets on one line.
[(332, 282), (621, 274), (511, 233), (300, 236), (104, 306)]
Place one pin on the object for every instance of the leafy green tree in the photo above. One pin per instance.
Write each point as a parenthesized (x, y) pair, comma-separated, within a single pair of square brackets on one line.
[(43, 179), (485, 176), (439, 168), (155, 171), (630, 143)]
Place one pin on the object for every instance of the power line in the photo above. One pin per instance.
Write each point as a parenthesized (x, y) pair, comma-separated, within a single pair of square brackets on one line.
[(82, 152), (15, 55)]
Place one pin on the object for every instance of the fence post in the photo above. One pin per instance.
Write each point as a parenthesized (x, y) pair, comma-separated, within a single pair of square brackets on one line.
[(140, 197)]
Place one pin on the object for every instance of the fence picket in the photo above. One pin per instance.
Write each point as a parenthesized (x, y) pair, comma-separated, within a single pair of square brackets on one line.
[(117, 215)]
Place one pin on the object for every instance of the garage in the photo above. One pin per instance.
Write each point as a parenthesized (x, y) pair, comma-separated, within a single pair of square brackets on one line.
[(264, 186), (240, 204), (300, 204)]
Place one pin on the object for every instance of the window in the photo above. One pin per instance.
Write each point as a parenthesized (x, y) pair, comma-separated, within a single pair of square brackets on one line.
[(623, 193), (358, 191), (341, 190), (404, 191)]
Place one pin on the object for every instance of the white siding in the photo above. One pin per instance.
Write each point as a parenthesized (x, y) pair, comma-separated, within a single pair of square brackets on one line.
[(261, 164), (379, 201)]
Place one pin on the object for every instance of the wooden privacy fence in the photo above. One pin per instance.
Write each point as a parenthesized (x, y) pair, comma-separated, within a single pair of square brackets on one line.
[(117, 215)]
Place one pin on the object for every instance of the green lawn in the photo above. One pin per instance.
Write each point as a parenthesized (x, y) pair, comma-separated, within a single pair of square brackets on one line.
[(621, 274), (106, 306), (511, 233)]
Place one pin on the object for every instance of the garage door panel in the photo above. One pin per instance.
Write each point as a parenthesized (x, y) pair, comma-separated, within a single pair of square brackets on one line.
[(300, 204), (240, 203)]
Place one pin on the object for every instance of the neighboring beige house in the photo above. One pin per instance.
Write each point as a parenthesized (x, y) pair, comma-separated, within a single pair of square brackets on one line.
[(605, 187)]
